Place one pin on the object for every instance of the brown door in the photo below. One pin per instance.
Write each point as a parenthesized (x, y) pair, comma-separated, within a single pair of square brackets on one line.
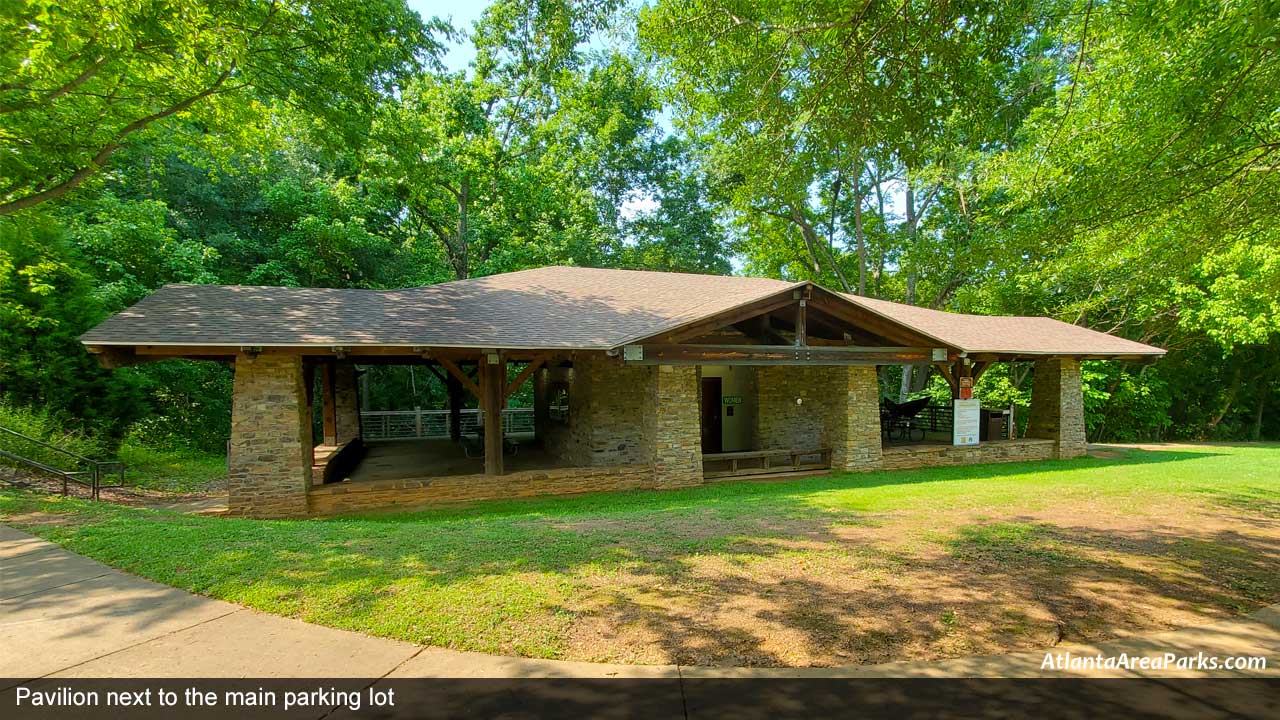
[(711, 422)]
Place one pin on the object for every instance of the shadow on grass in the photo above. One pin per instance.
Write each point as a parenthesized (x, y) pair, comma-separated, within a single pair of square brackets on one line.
[(998, 587)]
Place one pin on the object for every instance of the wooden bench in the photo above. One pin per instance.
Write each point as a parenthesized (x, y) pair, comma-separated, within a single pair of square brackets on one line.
[(761, 462)]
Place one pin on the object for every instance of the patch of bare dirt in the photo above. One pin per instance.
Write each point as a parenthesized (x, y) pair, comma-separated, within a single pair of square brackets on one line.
[(911, 587)]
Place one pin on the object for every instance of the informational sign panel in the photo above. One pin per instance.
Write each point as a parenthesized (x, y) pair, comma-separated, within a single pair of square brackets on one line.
[(965, 421), (732, 400)]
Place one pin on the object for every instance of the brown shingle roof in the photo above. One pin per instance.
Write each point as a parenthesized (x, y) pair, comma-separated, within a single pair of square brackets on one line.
[(1004, 334), (552, 308)]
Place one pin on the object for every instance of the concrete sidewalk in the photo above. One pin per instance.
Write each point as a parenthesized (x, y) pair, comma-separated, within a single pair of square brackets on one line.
[(63, 615)]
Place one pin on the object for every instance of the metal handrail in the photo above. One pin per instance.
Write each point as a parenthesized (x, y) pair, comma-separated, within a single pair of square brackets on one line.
[(97, 469), (47, 446)]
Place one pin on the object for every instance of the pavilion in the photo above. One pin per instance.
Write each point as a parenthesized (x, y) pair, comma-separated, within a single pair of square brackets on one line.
[(665, 379)]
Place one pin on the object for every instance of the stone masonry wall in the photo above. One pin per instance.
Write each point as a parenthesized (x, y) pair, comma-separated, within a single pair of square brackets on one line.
[(346, 404), (781, 422), (921, 456), (270, 452), (675, 414), (853, 418), (349, 496), (607, 406), (839, 408), (1057, 406)]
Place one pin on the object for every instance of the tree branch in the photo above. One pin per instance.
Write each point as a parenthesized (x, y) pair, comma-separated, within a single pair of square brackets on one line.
[(104, 153)]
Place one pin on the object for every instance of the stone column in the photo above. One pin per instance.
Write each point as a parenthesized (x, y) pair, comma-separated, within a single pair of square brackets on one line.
[(1057, 406), (346, 404), (677, 422), (270, 453), (853, 418)]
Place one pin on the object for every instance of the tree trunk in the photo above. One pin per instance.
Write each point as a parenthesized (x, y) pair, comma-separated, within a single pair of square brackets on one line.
[(1231, 397), (880, 259), (858, 233), (1257, 415), (812, 241), (905, 389), (464, 232)]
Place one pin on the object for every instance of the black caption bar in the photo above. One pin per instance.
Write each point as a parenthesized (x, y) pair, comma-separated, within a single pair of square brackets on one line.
[(766, 699)]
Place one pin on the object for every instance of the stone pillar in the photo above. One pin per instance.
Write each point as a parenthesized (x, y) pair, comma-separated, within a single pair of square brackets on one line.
[(1057, 406), (270, 453), (677, 423), (853, 418), (346, 404)]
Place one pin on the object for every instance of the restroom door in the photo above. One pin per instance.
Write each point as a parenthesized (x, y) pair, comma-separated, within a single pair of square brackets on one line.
[(712, 424)]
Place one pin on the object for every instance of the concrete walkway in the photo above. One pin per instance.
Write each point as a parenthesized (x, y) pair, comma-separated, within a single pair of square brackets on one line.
[(63, 615)]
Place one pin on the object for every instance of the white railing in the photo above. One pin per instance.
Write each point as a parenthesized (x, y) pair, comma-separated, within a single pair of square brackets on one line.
[(428, 424)]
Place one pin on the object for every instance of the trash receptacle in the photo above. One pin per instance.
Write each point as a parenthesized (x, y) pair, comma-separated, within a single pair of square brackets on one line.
[(992, 427)]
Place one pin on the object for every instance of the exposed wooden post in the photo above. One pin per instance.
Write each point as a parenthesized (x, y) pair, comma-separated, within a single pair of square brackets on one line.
[(493, 380), (541, 403), (959, 370), (801, 331), (308, 397), (455, 407), (329, 406)]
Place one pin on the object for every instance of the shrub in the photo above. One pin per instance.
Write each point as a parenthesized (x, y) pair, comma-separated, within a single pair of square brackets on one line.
[(40, 425)]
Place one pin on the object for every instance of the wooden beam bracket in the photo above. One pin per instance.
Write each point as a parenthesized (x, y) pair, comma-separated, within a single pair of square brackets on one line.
[(523, 376), (461, 377)]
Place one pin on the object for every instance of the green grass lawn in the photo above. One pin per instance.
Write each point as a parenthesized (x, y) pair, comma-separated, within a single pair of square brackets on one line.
[(839, 569), (181, 471)]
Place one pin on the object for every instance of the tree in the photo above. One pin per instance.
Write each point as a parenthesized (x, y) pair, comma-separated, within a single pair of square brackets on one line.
[(1140, 200), (84, 79), (796, 97), (524, 160)]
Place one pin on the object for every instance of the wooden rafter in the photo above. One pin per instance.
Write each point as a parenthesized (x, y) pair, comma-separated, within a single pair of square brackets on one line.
[(439, 375), (868, 321), (732, 317)]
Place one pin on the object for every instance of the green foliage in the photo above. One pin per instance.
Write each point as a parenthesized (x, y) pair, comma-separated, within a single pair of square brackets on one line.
[(1112, 165), (47, 299), (170, 470), (42, 426), (189, 405), (132, 67)]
